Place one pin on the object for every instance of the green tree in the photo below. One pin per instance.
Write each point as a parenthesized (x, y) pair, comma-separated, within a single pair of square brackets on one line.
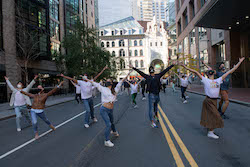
[(83, 55)]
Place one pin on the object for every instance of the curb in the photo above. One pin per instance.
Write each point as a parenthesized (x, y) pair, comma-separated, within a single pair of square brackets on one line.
[(231, 100), (11, 116)]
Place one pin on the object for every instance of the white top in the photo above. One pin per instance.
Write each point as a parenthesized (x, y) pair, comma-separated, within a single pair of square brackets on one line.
[(212, 87), (184, 82), (86, 89), (107, 95), (37, 110), (134, 88), (164, 81), (78, 89), (19, 99)]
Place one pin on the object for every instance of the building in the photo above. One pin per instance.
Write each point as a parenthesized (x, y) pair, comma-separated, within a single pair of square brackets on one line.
[(215, 31), (139, 43), (51, 20), (170, 13), (145, 10)]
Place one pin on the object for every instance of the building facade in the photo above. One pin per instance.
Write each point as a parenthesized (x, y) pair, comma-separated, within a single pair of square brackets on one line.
[(145, 10), (139, 43), (52, 20)]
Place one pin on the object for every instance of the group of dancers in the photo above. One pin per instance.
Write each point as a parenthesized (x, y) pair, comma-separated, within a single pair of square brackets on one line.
[(211, 118)]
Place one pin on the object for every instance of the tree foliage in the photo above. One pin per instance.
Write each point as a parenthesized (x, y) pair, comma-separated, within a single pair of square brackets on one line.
[(83, 55)]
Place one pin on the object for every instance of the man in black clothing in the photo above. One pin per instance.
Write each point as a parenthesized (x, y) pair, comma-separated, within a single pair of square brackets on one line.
[(153, 88), (143, 87)]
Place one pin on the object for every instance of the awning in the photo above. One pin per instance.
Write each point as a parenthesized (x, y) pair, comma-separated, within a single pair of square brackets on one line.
[(226, 14)]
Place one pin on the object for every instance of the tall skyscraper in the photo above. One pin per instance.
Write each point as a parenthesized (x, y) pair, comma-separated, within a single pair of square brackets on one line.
[(145, 10)]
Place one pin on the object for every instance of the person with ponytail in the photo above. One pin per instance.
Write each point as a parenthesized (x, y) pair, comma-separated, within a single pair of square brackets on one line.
[(108, 97)]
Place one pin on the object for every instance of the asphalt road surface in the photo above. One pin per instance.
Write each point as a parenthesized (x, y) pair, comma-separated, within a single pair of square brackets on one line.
[(179, 140)]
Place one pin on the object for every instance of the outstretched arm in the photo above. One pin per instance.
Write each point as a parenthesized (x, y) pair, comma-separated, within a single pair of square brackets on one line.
[(73, 83), (106, 67), (128, 82), (126, 76), (55, 89), (31, 84), (166, 70), (69, 78), (140, 72), (194, 71), (27, 94), (209, 68), (9, 84), (234, 68), (177, 75)]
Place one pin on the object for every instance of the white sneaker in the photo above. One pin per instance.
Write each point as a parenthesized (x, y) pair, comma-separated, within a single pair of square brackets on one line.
[(212, 135), (144, 98), (108, 143), (185, 101), (187, 97), (19, 129), (135, 106), (153, 125), (95, 120), (86, 125)]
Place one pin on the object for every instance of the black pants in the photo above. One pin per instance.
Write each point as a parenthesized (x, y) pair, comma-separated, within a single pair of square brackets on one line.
[(143, 92), (78, 98), (183, 90), (164, 87)]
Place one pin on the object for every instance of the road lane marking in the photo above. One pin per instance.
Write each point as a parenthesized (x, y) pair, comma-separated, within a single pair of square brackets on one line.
[(45, 133), (179, 141), (172, 147)]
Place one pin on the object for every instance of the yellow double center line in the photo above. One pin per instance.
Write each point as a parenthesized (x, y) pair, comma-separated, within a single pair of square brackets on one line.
[(173, 149)]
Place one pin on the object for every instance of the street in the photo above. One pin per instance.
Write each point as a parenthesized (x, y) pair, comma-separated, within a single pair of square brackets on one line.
[(179, 139)]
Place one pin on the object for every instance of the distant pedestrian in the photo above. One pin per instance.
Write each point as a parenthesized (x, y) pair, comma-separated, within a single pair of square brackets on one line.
[(78, 92), (38, 106), (20, 101), (143, 88), (134, 90), (210, 117), (164, 84), (184, 85), (108, 97), (127, 87), (153, 87)]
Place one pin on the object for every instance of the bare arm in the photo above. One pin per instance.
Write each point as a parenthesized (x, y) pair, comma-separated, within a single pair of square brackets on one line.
[(73, 83), (27, 94), (177, 75), (194, 71), (9, 84), (128, 82), (69, 78), (106, 67), (55, 89), (206, 65), (126, 76), (234, 68), (31, 84)]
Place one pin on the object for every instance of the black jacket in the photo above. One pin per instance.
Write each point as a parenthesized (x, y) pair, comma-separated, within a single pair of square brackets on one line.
[(153, 82)]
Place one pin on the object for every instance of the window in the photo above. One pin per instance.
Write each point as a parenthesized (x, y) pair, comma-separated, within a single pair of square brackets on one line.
[(122, 53), (141, 52), (121, 32), (136, 63), (122, 64), (191, 9), (130, 62), (155, 43), (203, 2), (113, 44), (135, 43), (142, 63), (121, 43), (102, 44), (113, 53), (107, 44), (130, 53), (101, 33), (185, 17), (129, 32), (150, 43), (136, 53), (141, 43), (53, 9), (161, 43), (113, 33), (54, 30)]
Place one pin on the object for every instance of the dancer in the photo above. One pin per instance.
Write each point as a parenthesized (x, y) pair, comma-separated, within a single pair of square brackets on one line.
[(38, 106), (153, 87), (86, 94), (143, 88), (78, 92), (164, 83), (224, 87), (184, 85), (210, 117), (20, 101), (108, 96), (173, 85), (134, 90)]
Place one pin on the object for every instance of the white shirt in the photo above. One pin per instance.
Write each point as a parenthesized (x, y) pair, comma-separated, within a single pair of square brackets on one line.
[(106, 94), (184, 82), (19, 99), (134, 88), (164, 81), (212, 87), (78, 89), (86, 89)]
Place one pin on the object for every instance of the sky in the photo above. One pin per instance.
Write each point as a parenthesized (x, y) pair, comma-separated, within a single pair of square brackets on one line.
[(113, 10)]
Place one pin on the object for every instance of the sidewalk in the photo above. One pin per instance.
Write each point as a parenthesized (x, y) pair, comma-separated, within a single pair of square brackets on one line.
[(237, 95), (6, 111)]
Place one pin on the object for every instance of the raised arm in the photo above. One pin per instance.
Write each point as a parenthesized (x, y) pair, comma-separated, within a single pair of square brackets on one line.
[(28, 94), (166, 70), (126, 76), (69, 78), (73, 83), (32, 83), (140, 72), (55, 89), (177, 75), (139, 81), (106, 67), (9, 84), (234, 68), (209, 68), (194, 71), (128, 82)]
